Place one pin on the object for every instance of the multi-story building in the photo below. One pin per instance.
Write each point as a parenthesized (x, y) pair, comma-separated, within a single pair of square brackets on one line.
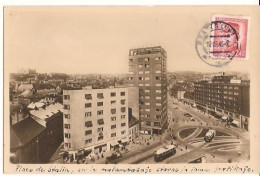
[(96, 120), (147, 70), (226, 96)]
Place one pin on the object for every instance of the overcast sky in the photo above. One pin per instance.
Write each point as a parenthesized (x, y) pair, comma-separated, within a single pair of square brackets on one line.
[(97, 39)]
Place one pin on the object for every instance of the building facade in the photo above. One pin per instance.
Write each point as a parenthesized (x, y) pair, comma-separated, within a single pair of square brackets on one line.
[(147, 70), (226, 96), (95, 120)]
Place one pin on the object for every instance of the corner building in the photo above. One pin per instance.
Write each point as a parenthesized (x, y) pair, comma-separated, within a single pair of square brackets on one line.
[(147, 70), (95, 119)]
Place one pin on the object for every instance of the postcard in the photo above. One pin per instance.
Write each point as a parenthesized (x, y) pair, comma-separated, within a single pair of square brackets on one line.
[(131, 89)]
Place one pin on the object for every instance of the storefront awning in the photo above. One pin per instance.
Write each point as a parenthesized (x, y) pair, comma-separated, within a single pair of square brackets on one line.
[(114, 143), (224, 117), (100, 121), (235, 122)]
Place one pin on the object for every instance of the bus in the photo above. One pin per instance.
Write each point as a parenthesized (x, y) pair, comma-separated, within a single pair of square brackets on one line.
[(209, 135), (164, 153)]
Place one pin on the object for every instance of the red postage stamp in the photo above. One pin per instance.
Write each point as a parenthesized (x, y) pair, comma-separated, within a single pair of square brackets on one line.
[(229, 37)]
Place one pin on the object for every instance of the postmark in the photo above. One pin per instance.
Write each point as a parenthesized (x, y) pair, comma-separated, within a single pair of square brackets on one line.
[(219, 42)]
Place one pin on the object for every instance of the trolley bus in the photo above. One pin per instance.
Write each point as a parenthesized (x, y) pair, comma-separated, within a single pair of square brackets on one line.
[(164, 153), (209, 135)]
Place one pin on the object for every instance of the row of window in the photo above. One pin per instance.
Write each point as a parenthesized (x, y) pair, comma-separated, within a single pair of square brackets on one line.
[(145, 59), (88, 141), (99, 121), (99, 95)]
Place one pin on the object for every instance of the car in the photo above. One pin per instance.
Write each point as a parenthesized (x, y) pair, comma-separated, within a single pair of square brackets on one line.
[(173, 136), (112, 159), (192, 119), (187, 115)]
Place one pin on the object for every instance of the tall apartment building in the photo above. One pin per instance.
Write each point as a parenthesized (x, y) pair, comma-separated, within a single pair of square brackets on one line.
[(226, 96), (147, 70), (95, 119)]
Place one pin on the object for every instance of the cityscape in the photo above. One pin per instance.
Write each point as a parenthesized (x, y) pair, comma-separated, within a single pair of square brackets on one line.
[(148, 115)]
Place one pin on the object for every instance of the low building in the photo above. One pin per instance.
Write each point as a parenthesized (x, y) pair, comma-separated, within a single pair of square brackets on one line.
[(36, 138)]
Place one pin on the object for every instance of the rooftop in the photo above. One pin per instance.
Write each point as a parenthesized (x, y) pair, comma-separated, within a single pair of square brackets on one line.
[(23, 132), (48, 111)]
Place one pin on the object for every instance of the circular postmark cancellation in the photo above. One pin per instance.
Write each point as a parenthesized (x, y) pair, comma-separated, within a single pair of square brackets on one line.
[(217, 43)]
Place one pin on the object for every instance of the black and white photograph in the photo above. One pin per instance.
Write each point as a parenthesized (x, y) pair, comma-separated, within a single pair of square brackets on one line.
[(132, 86)]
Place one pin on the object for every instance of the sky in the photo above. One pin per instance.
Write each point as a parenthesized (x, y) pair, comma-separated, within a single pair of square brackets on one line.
[(97, 39)]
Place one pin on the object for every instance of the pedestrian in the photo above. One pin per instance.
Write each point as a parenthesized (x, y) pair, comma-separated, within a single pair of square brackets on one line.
[(186, 147)]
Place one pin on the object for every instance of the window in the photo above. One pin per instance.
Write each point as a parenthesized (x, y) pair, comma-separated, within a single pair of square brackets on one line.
[(67, 107), (147, 115), (158, 71), (88, 132), (157, 58), (112, 94), (141, 85), (130, 60), (236, 93), (158, 98), (147, 84), (157, 124), (88, 141), (146, 65), (122, 116), (140, 59), (100, 121), (141, 72), (67, 126), (146, 78), (122, 102), (100, 129), (100, 96), (147, 97), (113, 111), (147, 72), (236, 88), (67, 145), (158, 116), (123, 124), (66, 116), (147, 91), (100, 138), (123, 132), (88, 96), (88, 124), (113, 134), (122, 93), (113, 126), (66, 97), (147, 110), (123, 109), (146, 59), (157, 84), (99, 103), (88, 114), (88, 105), (113, 102), (158, 78), (158, 91), (67, 135), (100, 112), (113, 118), (141, 78), (147, 103), (148, 123)]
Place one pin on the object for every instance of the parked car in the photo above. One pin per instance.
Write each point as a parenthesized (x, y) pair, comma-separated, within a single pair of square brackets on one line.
[(187, 115), (173, 136), (112, 159)]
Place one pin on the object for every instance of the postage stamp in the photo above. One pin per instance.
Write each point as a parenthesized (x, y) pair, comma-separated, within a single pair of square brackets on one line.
[(223, 40), (236, 40)]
